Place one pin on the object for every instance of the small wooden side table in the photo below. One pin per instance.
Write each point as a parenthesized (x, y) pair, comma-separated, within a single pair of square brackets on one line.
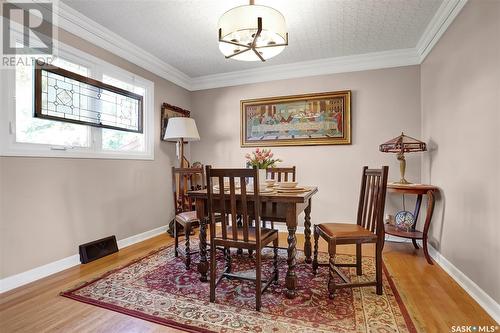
[(419, 190)]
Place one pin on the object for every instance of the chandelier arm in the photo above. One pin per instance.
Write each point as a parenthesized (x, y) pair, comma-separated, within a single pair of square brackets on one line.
[(265, 46), (257, 34), (239, 52), (258, 55), (233, 43)]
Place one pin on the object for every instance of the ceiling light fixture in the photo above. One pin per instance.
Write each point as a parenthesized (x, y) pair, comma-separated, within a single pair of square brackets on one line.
[(252, 33)]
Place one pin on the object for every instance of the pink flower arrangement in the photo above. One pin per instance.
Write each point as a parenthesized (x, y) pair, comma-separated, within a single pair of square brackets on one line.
[(262, 159)]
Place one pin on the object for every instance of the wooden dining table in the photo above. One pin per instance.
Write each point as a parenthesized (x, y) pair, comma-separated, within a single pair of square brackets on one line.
[(277, 207)]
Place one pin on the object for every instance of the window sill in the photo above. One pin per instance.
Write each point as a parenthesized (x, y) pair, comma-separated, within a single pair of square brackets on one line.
[(47, 153)]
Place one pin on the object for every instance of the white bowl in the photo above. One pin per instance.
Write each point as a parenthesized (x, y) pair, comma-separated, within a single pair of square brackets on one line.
[(270, 182), (288, 184)]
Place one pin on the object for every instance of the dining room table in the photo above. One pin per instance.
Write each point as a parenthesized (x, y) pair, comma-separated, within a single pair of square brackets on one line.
[(277, 207)]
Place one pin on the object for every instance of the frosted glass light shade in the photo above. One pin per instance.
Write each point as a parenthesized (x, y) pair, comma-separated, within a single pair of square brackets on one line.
[(181, 128), (237, 29)]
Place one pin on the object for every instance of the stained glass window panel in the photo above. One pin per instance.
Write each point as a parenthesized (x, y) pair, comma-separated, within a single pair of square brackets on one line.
[(66, 96)]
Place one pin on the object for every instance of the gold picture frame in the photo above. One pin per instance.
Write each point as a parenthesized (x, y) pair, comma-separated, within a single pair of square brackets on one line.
[(297, 120)]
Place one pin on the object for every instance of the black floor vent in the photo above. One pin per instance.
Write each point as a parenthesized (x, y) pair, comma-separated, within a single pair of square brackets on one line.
[(97, 249)]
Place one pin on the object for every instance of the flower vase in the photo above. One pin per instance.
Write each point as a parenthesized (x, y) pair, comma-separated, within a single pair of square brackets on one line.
[(262, 176)]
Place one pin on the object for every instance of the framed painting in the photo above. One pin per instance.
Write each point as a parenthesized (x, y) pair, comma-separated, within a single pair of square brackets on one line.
[(170, 111), (312, 119)]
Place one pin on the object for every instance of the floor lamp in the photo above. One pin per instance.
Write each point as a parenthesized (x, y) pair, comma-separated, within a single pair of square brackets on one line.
[(181, 129)]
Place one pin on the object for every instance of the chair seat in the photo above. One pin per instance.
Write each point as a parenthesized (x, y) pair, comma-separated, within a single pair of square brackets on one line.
[(344, 231), (266, 235), (186, 217)]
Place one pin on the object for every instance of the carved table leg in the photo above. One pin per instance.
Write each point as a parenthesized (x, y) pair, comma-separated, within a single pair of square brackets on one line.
[(307, 233), (291, 278), (203, 264), (428, 218), (418, 203)]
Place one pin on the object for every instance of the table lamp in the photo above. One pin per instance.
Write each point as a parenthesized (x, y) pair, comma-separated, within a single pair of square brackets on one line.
[(181, 129), (400, 145)]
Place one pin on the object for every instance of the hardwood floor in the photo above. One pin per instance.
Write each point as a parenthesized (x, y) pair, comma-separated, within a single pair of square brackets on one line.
[(433, 299)]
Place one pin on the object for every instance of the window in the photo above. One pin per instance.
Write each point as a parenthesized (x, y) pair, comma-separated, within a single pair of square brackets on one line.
[(42, 131), (26, 135)]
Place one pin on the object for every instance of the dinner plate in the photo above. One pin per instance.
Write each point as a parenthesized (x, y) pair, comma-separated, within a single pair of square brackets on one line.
[(292, 191), (298, 188)]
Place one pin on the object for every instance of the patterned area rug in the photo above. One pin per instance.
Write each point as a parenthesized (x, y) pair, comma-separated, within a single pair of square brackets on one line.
[(159, 289)]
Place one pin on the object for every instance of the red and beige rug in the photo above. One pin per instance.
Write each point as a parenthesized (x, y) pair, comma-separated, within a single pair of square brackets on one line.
[(159, 289)]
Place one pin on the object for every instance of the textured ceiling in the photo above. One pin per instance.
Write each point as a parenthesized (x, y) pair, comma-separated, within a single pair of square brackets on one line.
[(183, 33)]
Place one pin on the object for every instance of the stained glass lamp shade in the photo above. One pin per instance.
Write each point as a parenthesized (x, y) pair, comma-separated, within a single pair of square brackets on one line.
[(400, 145)]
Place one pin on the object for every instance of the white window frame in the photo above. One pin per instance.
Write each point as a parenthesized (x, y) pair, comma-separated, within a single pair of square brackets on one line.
[(97, 67)]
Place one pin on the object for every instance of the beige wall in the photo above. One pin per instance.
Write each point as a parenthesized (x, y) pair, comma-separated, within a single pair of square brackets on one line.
[(384, 102), (461, 121), (48, 206)]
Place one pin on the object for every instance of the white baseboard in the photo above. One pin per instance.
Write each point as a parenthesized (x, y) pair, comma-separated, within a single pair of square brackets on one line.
[(37, 273), (40, 272), (478, 294), (142, 236)]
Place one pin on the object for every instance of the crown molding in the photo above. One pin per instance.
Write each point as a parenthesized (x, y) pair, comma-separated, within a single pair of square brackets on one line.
[(354, 63), (80, 25), (444, 16)]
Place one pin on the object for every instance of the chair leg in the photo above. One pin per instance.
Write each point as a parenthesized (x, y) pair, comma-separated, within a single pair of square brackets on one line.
[(258, 282), (315, 255), (359, 269), (213, 272), (187, 231), (378, 268), (227, 255), (332, 250), (176, 237), (275, 260)]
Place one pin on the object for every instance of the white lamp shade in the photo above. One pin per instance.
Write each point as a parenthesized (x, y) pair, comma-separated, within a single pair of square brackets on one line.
[(181, 128), (240, 24)]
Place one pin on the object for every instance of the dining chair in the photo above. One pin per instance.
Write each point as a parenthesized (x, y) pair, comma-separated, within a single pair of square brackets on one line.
[(228, 202), (283, 174), (369, 229), (183, 180)]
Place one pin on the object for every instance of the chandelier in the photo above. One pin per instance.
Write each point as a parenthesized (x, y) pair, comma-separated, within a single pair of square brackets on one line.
[(252, 33)]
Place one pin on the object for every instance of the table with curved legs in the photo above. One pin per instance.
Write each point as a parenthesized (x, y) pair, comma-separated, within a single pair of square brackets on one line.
[(419, 190)]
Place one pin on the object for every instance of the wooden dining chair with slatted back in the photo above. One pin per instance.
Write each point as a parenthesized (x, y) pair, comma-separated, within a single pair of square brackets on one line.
[(184, 180), (229, 202), (283, 174), (369, 229)]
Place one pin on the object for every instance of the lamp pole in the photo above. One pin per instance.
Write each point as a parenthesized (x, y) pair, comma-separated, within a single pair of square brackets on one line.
[(181, 153)]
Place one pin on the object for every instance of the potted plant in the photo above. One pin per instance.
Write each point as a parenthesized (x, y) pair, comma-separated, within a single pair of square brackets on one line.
[(262, 159)]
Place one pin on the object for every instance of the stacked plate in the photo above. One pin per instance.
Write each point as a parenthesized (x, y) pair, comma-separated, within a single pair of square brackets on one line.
[(290, 188)]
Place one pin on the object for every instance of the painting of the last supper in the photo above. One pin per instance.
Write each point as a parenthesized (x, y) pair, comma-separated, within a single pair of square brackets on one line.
[(312, 119)]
